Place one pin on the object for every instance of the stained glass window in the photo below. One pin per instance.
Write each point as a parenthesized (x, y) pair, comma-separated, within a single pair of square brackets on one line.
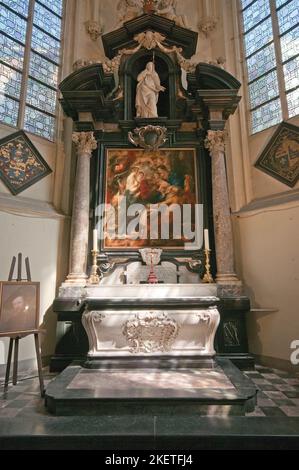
[(255, 13), (261, 62), (291, 73), (41, 96), (288, 16), (263, 89), (280, 2), (10, 81), (290, 44), (56, 5), (45, 45), (19, 6), (43, 18), (271, 45), (245, 3), (39, 123), (13, 25), (258, 36), (12, 53), (293, 102), (266, 116), (41, 62), (43, 70), (9, 109)]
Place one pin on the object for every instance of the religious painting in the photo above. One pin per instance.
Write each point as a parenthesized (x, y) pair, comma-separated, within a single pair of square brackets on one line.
[(21, 165), (280, 158), (160, 183), (19, 307)]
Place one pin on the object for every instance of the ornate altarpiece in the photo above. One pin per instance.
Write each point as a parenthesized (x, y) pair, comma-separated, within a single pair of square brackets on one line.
[(100, 99)]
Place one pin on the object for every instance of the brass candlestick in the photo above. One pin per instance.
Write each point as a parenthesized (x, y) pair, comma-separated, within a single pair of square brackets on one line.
[(94, 278), (208, 279)]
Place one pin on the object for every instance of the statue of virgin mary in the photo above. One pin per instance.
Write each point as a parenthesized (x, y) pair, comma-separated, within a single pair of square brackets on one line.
[(147, 94)]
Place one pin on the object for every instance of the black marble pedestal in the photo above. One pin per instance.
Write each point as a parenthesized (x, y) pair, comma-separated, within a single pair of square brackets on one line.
[(221, 391)]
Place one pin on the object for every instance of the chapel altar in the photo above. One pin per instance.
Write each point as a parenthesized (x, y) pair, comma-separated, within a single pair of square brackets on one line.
[(149, 126)]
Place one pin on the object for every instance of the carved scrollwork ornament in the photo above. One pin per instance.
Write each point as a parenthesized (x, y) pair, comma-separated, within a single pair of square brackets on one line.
[(150, 332), (105, 268), (148, 137)]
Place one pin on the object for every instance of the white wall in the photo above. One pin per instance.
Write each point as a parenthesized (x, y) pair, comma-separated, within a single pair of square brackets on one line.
[(41, 240), (270, 270), (266, 222)]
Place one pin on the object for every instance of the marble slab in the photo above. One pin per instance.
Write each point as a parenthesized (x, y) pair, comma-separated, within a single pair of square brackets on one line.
[(153, 291), (101, 382), (222, 391)]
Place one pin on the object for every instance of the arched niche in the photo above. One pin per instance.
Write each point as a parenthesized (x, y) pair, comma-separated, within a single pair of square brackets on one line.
[(168, 72)]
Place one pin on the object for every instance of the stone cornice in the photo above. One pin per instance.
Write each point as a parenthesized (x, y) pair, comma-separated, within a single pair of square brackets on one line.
[(26, 207), (275, 202)]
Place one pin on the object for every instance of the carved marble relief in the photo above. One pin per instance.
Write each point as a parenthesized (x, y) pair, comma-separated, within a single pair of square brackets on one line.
[(150, 332)]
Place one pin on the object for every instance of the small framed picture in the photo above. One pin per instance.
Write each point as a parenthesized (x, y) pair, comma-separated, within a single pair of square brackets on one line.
[(19, 307)]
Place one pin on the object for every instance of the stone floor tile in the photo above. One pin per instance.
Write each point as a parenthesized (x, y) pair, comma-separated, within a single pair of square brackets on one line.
[(292, 411)]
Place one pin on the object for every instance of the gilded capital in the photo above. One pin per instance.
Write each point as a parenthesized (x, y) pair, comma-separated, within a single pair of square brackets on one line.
[(215, 141), (85, 142)]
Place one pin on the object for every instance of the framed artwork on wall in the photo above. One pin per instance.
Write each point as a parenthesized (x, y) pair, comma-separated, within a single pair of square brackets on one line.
[(136, 178), (280, 157), (21, 164), (19, 307)]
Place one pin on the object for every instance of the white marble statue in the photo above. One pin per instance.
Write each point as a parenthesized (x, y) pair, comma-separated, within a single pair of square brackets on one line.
[(167, 8), (147, 94), (128, 10)]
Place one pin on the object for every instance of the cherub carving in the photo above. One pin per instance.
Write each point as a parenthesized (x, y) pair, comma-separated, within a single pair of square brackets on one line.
[(149, 39), (128, 10), (167, 8)]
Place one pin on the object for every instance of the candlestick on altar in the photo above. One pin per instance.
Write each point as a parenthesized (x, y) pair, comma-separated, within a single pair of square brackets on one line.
[(95, 240), (94, 278), (206, 236), (208, 279), (208, 276)]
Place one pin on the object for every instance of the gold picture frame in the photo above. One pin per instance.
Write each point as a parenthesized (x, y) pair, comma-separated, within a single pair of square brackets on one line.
[(166, 175)]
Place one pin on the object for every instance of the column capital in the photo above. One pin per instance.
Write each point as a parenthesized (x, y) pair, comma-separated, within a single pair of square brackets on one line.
[(215, 141), (85, 142)]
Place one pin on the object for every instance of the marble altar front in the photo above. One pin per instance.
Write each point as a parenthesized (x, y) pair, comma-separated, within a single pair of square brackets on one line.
[(150, 320)]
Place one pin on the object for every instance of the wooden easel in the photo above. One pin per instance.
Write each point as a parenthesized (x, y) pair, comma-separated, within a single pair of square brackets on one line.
[(14, 340)]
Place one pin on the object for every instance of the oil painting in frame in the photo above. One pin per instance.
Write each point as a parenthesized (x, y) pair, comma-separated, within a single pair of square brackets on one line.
[(19, 307), (165, 176)]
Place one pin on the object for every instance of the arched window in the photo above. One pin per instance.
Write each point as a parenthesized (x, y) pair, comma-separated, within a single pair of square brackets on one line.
[(271, 47), (30, 48)]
